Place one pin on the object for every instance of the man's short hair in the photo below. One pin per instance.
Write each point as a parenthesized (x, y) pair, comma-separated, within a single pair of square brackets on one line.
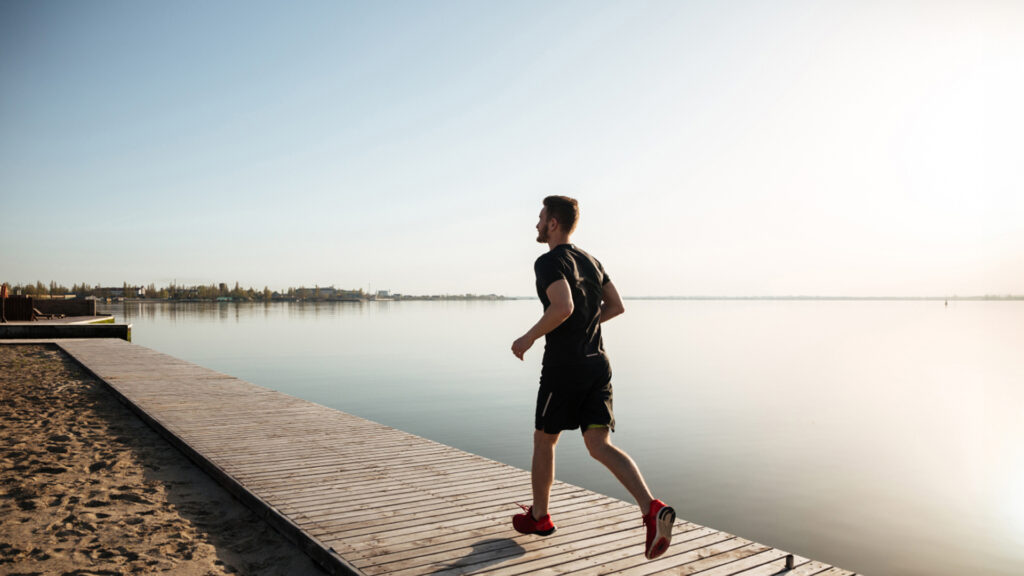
[(565, 210)]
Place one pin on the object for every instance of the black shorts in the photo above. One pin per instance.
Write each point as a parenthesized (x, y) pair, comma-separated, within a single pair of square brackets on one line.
[(575, 396)]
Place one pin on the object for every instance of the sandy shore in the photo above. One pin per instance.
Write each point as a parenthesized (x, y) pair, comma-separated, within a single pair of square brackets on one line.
[(87, 488)]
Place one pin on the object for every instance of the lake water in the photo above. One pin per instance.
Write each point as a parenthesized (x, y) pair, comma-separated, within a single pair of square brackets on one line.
[(883, 437)]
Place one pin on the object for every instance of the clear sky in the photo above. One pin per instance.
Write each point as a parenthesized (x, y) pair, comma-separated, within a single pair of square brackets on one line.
[(716, 148)]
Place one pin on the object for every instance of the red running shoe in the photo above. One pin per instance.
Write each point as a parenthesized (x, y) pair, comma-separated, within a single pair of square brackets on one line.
[(525, 524), (659, 521)]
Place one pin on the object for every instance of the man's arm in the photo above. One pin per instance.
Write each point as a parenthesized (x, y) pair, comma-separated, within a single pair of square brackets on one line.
[(560, 309), (611, 303)]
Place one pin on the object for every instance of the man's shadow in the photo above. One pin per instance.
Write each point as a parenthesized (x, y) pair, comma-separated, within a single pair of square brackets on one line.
[(485, 553)]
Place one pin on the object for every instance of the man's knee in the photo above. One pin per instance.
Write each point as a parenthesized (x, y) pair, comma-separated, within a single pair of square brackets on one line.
[(598, 441), (542, 438)]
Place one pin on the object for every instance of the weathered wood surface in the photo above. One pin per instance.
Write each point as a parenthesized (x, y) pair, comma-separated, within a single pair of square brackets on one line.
[(364, 498)]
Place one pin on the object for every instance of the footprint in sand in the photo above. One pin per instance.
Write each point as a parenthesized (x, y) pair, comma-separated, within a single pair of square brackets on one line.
[(24, 498), (50, 470), (130, 497)]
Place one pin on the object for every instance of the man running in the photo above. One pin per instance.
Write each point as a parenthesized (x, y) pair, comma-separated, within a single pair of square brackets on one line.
[(575, 381)]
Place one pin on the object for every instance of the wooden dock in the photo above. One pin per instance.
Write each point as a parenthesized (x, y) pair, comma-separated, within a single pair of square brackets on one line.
[(364, 498)]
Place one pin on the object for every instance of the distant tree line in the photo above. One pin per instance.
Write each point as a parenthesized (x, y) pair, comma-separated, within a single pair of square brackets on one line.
[(175, 291)]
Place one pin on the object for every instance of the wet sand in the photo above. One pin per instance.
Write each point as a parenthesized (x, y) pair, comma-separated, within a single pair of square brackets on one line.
[(87, 488)]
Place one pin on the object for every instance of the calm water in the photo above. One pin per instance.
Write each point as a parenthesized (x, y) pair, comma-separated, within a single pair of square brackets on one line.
[(884, 437)]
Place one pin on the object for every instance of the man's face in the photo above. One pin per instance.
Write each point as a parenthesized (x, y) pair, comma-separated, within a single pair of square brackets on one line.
[(542, 226)]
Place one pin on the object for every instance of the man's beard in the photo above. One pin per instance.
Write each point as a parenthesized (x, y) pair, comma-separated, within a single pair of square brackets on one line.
[(542, 236)]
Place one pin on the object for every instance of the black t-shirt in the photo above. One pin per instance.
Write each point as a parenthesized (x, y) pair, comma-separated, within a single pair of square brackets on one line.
[(579, 337)]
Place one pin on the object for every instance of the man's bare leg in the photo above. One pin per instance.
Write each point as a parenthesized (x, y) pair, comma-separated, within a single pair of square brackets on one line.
[(658, 517), (599, 443), (542, 473)]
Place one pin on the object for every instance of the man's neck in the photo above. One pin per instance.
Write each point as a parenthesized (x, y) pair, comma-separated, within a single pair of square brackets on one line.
[(557, 240)]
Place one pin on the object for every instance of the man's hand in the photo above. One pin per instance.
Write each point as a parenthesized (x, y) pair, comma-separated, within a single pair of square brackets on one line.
[(521, 345)]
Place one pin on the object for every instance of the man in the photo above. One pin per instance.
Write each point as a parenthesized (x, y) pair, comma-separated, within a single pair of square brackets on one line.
[(575, 382)]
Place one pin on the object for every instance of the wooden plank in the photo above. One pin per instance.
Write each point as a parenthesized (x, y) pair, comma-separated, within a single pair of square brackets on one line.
[(611, 519), (355, 498), (455, 514), (777, 567), (812, 568), (723, 563), (761, 557), (406, 468), (608, 559), (358, 510), (480, 558), (382, 481)]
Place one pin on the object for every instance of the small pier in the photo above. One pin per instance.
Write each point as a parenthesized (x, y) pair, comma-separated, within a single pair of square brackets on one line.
[(366, 499), (72, 327)]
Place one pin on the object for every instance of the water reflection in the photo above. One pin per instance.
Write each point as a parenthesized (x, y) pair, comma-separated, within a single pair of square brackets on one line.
[(235, 311)]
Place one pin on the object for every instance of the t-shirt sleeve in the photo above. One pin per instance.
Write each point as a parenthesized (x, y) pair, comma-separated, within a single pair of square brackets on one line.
[(604, 275), (548, 272)]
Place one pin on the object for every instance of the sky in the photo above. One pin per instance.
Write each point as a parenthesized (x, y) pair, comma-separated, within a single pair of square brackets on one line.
[(716, 148)]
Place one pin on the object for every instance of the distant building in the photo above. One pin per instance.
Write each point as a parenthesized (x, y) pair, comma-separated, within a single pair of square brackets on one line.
[(121, 292)]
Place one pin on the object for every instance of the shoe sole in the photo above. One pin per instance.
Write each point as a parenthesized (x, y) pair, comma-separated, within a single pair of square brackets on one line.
[(538, 532), (662, 533)]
